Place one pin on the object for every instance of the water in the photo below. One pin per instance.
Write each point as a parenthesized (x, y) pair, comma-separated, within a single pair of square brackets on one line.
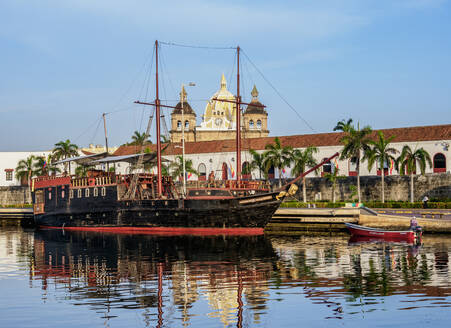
[(56, 279)]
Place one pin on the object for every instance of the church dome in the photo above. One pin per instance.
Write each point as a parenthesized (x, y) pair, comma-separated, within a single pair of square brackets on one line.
[(220, 115), (255, 106)]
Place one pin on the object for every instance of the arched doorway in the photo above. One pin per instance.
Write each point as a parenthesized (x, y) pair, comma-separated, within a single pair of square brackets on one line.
[(202, 169), (271, 174), (246, 174), (225, 171), (352, 167), (439, 163)]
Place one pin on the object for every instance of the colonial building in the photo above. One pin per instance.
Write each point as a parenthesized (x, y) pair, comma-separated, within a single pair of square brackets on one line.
[(8, 165), (219, 155), (219, 119)]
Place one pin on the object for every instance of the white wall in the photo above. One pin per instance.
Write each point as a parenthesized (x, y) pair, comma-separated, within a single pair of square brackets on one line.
[(9, 160)]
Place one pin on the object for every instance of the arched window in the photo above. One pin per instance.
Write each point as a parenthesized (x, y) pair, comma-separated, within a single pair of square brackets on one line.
[(225, 171), (327, 168), (439, 163), (187, 125), (251, 124), (202, 169), (259, 124), (179, 125)]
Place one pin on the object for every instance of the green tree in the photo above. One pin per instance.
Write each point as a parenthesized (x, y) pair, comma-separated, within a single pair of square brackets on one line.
[(333, 179), (25, 169), (382, 154), (63, 150), (43, 165), (176, 167), (344, 125), (355, 142), (164, 139), (138, 138), (277, 156), (257, 163), (303, 159), (82, 170), (408, 161)]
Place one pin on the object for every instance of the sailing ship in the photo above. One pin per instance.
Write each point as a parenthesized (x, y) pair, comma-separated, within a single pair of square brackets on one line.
[(144, 202)]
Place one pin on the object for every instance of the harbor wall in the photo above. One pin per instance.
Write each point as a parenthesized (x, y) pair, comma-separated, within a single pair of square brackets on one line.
[(14, 195), (397, 188)]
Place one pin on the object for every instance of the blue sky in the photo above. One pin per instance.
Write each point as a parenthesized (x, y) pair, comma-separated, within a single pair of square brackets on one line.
[(64, 63)]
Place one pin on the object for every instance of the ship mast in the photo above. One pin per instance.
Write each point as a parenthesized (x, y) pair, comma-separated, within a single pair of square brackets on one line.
[(157, 113), (106, 140), (238, 119)]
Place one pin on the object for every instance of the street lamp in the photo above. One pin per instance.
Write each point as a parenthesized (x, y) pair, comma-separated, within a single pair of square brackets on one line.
[(190, 84)]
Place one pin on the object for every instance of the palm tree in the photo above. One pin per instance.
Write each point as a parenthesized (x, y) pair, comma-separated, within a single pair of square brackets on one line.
[(138, 138), (303, 159), (43, 165), (382, 154), (408, 160), (24, 169), (63, 150), (333, 178), (176, 167), (356, 141), (82, 170), (277, 156), (257, 163), (164, 139), (344, 125)]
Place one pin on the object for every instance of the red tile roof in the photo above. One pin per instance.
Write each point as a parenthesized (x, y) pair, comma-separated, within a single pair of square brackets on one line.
[(410, 134)]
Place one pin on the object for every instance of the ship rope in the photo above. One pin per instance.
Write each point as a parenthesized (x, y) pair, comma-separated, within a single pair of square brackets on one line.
[(277, 92)]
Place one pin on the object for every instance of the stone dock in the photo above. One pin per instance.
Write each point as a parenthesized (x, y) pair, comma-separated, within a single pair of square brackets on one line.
[(16, 216), (298, 220)]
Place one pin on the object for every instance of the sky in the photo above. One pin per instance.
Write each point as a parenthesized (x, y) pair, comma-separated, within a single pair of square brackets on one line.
[(383, 63)]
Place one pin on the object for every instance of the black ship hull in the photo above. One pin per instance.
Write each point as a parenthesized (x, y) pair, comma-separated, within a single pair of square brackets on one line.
[(111, 214)]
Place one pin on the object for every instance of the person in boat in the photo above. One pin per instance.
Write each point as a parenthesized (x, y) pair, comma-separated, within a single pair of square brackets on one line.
[(413, 223)]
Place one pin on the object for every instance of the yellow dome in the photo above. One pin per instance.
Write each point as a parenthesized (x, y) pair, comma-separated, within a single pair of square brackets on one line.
[(220, 115)]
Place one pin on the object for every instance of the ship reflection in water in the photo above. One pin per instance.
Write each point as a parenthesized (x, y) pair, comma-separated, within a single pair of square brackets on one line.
[(234, 281)]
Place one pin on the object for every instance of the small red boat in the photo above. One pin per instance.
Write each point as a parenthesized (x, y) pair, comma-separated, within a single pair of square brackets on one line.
[(412, 236)]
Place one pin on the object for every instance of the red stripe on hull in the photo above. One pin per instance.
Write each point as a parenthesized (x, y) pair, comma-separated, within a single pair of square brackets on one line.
[(169, 231)]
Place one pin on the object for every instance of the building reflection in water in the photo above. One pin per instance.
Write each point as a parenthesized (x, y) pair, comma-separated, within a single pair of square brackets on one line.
[(235, 278)]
